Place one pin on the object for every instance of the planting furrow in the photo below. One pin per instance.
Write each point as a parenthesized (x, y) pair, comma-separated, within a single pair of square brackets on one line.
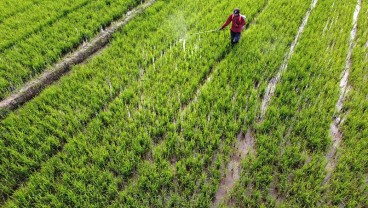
[(244, 146), (336, 134), (270, 90), (127, 109), (34, 87)]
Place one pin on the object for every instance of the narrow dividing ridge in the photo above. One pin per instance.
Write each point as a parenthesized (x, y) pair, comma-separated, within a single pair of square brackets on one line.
[(32, 88), (336, 134), (244, 146), (270, 90)]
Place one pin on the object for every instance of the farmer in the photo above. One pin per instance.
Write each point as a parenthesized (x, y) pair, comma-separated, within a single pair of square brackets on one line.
[(238, 23)]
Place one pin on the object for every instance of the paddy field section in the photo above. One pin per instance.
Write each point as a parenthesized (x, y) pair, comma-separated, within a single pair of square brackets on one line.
[(167, 117), (35, 38)]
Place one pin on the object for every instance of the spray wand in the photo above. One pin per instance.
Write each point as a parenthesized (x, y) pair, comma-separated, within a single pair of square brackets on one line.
[(209, 31)]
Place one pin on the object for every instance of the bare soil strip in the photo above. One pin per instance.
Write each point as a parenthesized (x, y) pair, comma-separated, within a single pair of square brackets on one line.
[(274, 192), (244, 146), (336, 134), (32, 88), (270, 90)]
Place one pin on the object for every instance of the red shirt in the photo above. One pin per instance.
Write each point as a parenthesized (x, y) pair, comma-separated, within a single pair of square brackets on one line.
[(237, 23)]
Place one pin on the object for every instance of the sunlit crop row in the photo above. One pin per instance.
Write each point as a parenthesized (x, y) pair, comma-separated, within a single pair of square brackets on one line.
[(35, 39)]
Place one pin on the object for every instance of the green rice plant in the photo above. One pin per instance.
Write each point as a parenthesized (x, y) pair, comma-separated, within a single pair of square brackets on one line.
[(349, 181), (126, 91), (206, 131), (9, 8), (22, 25), (38, 50), (301, 112)]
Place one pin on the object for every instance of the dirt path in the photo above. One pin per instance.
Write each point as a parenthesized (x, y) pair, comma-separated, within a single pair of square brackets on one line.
[(270, 90), (336, 134), (32, 88), (244, 146)]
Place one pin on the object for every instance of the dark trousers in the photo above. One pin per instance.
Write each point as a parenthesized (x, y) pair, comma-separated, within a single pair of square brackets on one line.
[(235, 36)]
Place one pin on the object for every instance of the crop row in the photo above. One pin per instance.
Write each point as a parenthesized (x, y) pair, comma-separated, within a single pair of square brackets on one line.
[(117, 140), (36, 50), (349, 180), (16, 28), (186, 167), (88, 89), (289, 171), (9, 8)]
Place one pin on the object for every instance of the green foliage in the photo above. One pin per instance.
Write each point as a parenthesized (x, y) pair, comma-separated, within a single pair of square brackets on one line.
[(140, 125), (41, 35)]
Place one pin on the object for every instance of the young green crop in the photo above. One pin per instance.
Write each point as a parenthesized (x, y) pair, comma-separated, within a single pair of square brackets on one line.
[(140, 61), (10, 8), (299, 117), (17, 28), (131, 121), (39, 49), (349, 180), (199, 145), (152, 121)]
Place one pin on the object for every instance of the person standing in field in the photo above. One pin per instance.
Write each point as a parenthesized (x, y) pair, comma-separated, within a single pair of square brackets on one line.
[(238, 24)]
